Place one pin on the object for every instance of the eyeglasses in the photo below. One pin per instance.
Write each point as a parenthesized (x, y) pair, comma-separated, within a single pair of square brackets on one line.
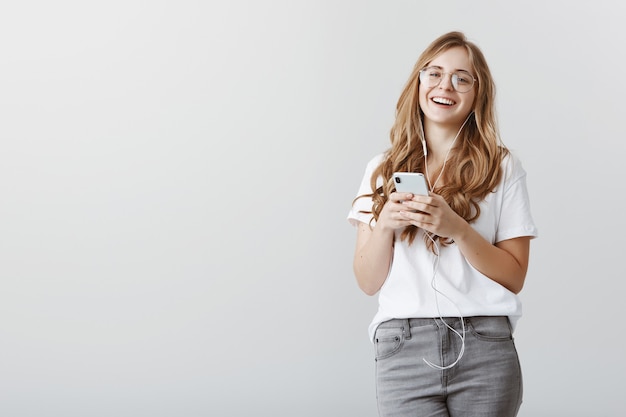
[(462, 81)]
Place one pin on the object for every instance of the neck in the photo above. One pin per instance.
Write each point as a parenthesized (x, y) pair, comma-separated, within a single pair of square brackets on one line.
[(440, 158), (439, 139)]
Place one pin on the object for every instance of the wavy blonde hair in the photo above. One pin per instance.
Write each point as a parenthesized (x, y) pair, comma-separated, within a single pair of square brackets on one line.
[(473, 168)]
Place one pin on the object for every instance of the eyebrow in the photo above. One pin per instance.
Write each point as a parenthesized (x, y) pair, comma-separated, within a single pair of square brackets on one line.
[(456, 70)]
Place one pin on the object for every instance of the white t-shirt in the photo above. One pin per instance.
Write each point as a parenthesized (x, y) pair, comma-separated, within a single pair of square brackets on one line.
[(461, 290)]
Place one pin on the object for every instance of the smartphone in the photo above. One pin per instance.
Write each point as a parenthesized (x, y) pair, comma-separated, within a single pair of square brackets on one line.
[(410, 182)]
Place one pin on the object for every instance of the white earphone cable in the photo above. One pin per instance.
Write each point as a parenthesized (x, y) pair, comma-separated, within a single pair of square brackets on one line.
[(433, 284), (437, 292), (445, 160)]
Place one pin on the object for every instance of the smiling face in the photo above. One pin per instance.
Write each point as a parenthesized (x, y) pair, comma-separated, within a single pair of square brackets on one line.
[(442, 104)]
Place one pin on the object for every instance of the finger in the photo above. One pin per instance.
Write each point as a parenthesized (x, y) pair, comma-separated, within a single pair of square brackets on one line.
[(416, 206), (410, 215), (399, 220), (418, 218), (399, 197), (436, 200)]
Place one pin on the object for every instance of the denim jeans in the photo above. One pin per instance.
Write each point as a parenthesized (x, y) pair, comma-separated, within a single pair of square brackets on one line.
[(486, 382)]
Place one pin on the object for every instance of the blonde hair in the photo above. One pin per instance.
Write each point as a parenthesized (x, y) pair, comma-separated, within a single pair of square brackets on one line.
[(473, 170)]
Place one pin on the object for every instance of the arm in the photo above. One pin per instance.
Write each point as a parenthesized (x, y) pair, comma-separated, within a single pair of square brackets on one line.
[(505, 262), (374, 246), (372, 257)]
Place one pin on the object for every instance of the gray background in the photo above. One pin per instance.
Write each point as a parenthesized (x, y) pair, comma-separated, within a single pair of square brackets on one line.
[(175, 178)]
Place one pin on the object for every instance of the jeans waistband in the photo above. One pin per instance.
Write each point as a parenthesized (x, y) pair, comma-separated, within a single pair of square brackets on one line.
[(407, 324)]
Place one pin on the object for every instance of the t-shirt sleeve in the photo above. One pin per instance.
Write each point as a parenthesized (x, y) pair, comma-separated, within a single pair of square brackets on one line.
[(516, 218), (362, 207)]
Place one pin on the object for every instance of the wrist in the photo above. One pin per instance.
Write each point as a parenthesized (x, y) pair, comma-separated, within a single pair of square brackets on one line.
[(462, 231), (384, 231)]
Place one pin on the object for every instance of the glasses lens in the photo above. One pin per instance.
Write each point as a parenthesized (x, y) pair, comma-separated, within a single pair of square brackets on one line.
[(431, 77), (462, 81)]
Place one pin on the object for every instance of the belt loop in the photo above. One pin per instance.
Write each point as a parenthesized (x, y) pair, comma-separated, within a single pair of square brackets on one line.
[(406, 329), (508, 322)]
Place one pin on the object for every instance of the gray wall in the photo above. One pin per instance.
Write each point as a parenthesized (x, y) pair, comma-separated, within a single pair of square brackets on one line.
[(175, 178)]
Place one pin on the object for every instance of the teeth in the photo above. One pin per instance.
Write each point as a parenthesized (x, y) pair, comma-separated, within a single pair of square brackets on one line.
[(442, 100)]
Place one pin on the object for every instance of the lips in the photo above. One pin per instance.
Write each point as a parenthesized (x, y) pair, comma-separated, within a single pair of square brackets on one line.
[(443, 100)]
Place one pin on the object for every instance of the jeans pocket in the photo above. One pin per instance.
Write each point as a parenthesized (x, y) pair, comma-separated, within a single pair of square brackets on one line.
[(494, 330), (388, 342)]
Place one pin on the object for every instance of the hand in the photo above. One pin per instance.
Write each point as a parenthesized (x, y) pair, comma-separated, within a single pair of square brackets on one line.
[(391, 216), (433, 214)]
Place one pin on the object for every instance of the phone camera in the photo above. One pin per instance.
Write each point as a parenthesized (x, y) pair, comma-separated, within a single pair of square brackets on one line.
[(398, 180)]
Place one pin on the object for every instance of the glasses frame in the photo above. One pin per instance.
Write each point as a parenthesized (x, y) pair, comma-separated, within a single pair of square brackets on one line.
[(453, 78)]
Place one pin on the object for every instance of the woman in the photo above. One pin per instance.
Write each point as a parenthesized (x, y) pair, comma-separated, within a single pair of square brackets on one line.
[(447, 266)]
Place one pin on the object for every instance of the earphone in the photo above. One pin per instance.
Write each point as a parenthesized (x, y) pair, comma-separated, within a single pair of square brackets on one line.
[(432, 187), (460, 335), (437, 254)]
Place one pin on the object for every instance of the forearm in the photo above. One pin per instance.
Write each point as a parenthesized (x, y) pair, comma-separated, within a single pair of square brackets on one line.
[(504, 263), (372, 257)]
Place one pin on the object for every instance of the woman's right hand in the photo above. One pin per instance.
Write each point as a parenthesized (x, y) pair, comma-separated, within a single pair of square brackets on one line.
[(390, 217)]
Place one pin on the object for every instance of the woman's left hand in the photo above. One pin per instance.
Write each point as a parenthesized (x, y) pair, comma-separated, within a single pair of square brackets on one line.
[(433, 214)]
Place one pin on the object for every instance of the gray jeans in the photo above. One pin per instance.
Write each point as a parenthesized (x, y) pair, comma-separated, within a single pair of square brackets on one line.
[(486, 382)]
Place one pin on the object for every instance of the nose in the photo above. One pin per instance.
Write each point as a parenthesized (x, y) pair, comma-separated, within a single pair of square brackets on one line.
[(446, 82)]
